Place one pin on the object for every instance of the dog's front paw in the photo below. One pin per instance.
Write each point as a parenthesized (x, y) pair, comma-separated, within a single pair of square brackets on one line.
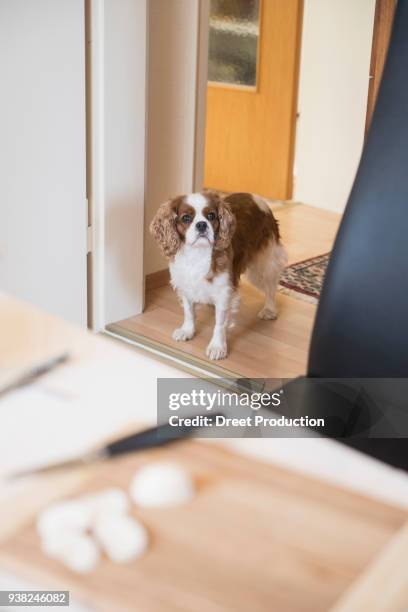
[(267, 314), (181, 334), (217, 350)]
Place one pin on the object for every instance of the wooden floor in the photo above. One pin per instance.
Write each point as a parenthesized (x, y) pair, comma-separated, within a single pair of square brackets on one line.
[(264, 349)]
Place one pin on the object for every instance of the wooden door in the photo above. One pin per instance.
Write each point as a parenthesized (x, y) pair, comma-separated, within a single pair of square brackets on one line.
[(251, 114), (43, 155)]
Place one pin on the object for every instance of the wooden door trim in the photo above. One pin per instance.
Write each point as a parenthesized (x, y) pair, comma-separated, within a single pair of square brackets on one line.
[(383, 20), (235, 87), (201, 94), (296, 79)]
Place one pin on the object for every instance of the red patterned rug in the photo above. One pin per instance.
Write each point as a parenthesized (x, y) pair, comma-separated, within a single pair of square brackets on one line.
[(304, 279)]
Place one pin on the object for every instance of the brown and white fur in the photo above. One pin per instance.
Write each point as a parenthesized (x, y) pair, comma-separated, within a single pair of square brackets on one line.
[(210, 241)]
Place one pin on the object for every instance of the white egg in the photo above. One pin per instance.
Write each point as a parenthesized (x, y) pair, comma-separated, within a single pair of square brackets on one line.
[(77, 551), (107, 500), (54, 542), (71, 515), (82, 556), (161, 484), (121, 537)]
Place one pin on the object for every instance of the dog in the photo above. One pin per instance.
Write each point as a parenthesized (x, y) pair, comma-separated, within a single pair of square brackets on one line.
[(210, 241)]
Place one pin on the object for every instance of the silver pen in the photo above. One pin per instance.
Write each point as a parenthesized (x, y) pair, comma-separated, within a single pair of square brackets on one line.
[(28, 376)]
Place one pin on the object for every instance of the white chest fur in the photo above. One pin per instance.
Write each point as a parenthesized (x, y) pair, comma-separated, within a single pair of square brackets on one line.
[(189, 271)]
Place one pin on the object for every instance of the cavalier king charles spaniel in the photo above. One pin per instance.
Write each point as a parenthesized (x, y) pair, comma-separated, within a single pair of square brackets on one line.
[(210, 241)]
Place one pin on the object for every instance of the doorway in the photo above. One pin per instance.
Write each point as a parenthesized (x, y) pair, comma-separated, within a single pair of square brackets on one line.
[(253, 56), (253, 61), (178, 162)]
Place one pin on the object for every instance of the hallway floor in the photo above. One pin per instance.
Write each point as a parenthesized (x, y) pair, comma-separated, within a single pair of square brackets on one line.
[(264, 349)]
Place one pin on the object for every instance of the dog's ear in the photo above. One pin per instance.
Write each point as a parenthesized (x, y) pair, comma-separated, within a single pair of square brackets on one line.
[(163, 228), (227, 226)]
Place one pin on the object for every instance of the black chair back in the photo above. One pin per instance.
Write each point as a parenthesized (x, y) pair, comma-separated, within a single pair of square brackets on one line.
[(361, 327)]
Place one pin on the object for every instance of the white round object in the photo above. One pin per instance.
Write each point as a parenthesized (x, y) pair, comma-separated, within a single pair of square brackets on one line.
[(107, 500), (71, 515), (121, 537), (161, 484), (82, 555), (55, 542), (77, 551)]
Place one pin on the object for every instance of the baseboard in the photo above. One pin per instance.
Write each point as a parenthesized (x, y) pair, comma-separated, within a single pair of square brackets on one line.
[(154, 280)]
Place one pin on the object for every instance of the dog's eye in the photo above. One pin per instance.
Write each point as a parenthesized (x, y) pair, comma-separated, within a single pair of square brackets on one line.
[(186, 219), (211, 216)]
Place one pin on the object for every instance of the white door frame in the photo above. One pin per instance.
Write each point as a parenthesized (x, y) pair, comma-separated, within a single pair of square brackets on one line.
[(117, 145), (118, 142)]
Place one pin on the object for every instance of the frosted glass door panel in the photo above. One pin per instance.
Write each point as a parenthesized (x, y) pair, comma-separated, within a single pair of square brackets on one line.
[(233, 43)]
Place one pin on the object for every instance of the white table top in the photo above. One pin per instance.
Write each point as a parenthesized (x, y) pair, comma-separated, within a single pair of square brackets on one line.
[(108, 386)]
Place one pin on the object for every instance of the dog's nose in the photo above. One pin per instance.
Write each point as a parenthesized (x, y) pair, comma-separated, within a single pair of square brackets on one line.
[(201, 226)]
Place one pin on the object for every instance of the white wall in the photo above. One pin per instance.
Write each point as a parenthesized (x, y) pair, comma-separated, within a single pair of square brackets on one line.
[(333, 88), (43, 155), (172, 75)]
